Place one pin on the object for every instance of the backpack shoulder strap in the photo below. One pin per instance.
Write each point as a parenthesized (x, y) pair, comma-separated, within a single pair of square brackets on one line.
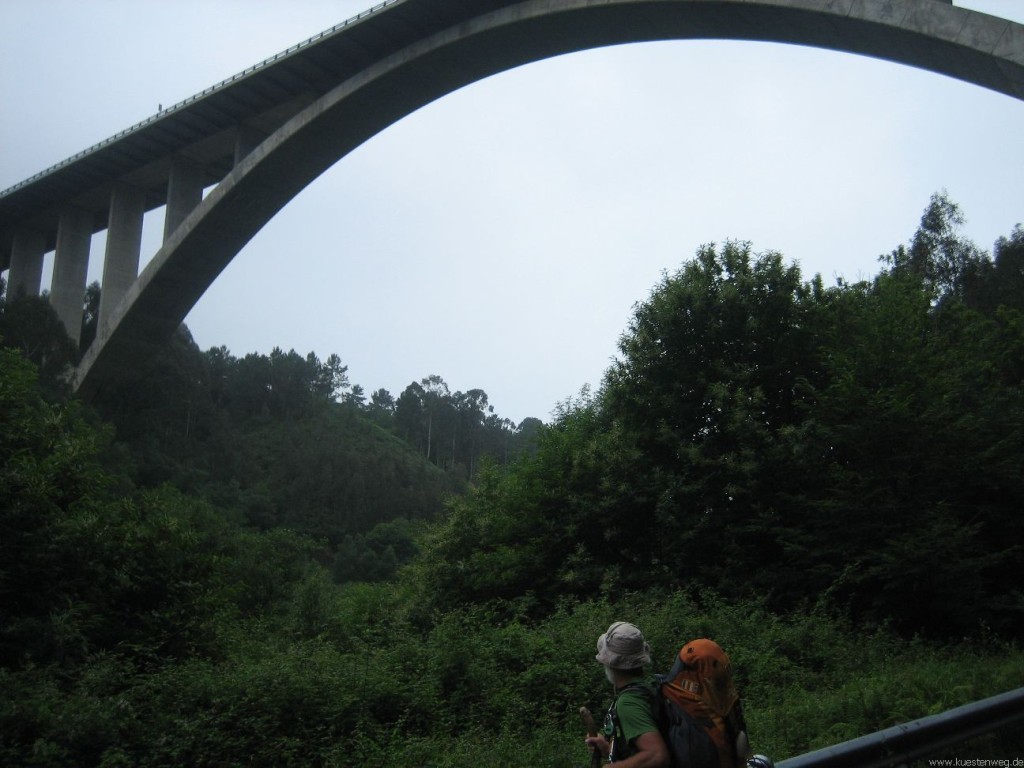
[(652, 693)]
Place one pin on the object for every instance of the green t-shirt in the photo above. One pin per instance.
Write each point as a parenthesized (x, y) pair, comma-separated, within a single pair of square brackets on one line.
[(630, 716)]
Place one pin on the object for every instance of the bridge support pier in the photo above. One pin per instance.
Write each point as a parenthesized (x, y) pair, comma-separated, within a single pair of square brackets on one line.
[(184, 192), (124, 242), (26, 275), (71, 268)]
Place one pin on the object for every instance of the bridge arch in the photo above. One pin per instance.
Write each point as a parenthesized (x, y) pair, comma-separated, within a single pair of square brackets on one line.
[(924, 33)]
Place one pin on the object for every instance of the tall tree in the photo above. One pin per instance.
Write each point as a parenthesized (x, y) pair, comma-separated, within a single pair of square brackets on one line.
[(356, 397), (939, 254), (410, 417), (1002, 285), (470, 409), (382, 400), (335, 377), (437, 407), (90, 314)]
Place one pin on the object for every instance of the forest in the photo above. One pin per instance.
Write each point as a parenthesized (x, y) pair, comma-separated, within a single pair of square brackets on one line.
[(247, 561)]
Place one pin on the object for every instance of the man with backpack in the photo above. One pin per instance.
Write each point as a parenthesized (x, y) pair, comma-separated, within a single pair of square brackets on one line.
[(690, 718), (632, 735)]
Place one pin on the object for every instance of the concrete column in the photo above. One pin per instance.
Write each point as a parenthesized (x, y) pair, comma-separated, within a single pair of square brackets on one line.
[(247, 139), (71, 268), (184, 192), (26, 275), (124, 241)]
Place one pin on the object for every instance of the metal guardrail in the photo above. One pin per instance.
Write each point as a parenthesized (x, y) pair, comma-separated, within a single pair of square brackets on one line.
[(928, 736)]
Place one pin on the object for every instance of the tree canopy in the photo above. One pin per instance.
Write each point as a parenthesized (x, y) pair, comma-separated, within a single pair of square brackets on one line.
[(246, 560), (858, 446)]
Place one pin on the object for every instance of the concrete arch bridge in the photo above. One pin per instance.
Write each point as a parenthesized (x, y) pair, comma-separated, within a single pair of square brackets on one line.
[(263, 135)]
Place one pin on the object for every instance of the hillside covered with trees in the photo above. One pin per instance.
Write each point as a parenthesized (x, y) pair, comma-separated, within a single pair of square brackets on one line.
[(246, 561)]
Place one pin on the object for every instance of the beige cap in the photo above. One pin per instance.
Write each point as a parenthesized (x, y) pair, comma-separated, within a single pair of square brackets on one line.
[(623, 647)]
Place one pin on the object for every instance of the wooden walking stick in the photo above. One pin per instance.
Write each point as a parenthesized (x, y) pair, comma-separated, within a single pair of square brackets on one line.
[(591, 726)]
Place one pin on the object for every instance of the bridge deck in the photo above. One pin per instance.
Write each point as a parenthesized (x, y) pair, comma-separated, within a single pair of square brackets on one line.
[(205, 127)]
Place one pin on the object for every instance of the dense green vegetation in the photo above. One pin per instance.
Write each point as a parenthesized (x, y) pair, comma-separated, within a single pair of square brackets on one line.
[(849, 447), (283, 440), (245, 562)]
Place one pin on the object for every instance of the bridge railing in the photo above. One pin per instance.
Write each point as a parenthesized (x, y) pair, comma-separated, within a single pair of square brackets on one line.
[(927, 737)]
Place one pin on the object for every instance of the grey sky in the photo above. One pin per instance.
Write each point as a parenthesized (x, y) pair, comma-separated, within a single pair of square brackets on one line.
[(500, 236)]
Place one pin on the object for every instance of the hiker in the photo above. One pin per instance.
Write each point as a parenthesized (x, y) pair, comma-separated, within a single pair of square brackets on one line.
[(631, 736)]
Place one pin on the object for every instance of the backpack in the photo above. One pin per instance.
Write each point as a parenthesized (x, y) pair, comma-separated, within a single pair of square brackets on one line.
[(698, 709)]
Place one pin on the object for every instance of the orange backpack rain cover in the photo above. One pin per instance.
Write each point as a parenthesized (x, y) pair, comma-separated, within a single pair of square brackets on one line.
[(701, 683)]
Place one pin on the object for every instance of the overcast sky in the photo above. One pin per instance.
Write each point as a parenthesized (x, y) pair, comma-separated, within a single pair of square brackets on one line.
[(500, 237)]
